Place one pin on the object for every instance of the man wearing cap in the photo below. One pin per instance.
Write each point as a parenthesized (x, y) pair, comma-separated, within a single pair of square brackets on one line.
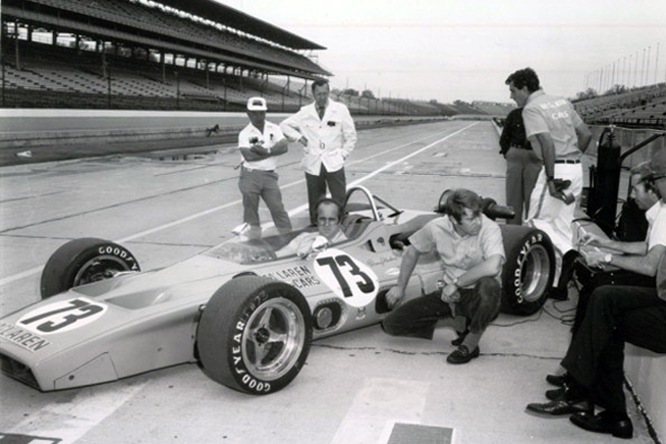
[(614, 315), (559, 137), (328, 135), (259, 143)]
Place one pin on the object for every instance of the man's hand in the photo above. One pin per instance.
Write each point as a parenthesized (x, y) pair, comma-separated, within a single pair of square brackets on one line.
[(595, 258), (303, 141), (556, 189), (394, 297), (450, 294), (591, 240)]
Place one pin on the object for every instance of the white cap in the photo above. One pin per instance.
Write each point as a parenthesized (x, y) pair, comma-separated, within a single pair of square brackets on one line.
[(256, 104)]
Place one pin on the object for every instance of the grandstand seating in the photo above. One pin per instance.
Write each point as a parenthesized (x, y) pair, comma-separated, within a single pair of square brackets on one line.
[(645, 106)]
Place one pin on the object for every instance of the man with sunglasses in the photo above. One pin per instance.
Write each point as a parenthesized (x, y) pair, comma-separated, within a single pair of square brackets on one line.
[(614, 315)]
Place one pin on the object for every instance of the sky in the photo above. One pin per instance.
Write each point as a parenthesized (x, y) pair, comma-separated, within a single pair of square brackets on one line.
[(464, 50)]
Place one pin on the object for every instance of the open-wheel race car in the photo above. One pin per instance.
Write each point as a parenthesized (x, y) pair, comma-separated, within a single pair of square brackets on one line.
[(242, 311)]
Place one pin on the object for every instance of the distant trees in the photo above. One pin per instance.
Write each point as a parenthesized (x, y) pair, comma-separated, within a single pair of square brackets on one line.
[(367, 94)]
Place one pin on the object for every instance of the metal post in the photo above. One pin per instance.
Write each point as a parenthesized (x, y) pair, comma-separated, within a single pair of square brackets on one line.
[(177, 90), (108, 81)]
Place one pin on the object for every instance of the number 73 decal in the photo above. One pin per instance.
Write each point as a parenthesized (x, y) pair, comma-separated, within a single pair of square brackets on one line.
[(347, 277), (62, 316)]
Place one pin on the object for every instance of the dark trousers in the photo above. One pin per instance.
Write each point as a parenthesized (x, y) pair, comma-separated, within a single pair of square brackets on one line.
[(255, 185), (418, 317), (316, 185), (522, 171), (614, 315)]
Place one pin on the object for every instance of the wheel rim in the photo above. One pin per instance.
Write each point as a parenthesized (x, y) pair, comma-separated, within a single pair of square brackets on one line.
[(98, 269), (535, 272), (273, 339)]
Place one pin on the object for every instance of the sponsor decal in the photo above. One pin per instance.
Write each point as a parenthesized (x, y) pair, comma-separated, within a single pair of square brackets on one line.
[(62, 316), (299, 277), (347, 277), (382, 261), (22, 337)]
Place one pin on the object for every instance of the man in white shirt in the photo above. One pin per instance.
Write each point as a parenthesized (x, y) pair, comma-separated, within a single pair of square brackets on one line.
[(259, 144), (328, 135)]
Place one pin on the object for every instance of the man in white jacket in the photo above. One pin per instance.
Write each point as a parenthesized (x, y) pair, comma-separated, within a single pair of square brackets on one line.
[(327, 132)]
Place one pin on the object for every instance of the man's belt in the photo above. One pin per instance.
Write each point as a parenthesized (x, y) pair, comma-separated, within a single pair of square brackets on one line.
[(570, 161), (257, 169)]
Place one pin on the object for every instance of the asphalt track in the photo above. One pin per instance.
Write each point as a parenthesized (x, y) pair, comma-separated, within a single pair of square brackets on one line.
[(360, 387)]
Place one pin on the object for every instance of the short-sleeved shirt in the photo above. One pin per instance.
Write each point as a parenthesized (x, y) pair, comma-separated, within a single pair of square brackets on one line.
[(656, 217), (271, 136), (554, 115), (458, 254)]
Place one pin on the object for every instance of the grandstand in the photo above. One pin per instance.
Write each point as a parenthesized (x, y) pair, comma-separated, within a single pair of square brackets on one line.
[(172, 55), (643, 107)]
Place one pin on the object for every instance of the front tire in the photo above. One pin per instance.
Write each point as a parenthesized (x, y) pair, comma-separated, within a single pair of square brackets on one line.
[(254, 335), (529, 269), (83, 261)]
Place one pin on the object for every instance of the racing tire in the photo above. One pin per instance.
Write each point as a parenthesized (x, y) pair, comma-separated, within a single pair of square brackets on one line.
[(254, 335), (528, 271), (83, 261)]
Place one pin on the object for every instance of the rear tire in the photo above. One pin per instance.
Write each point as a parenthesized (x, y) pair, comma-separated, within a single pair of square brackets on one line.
[(254, 335), (529, 269), (83, 261)]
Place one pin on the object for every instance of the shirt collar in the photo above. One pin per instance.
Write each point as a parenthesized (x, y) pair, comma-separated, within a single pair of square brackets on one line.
[(653, 211), (534, 95)]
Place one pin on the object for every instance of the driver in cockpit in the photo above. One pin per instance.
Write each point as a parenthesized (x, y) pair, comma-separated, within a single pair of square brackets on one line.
[(329, 216)]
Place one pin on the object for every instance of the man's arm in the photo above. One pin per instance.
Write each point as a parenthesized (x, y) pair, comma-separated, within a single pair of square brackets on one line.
[(259, 152), (492, 266), (646, 265), (348, 134), (621, 247), (584, 137), (291, 126), (409, 261)]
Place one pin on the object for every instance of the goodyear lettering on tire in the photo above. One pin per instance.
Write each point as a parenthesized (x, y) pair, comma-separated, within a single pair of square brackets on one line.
[(111, 250), (243, 376)]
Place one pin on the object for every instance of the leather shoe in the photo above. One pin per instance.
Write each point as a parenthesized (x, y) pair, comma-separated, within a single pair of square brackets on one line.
[(555, 393), (459, 340), (604, 423), (560, 407), (462, 355), (556, 380)]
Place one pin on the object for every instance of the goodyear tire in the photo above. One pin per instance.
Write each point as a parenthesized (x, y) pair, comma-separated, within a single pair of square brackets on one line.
[(254, 335), (528, 271), (83, 261)]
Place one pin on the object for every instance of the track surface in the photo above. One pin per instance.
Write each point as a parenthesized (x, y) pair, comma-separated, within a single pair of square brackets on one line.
[(355, 387)]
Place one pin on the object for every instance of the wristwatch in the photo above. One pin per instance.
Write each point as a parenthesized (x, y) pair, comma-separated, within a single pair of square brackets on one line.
[(455, 282), (607, 258)]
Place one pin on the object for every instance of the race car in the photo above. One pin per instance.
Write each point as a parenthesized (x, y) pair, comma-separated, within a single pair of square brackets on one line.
[(241, 310)]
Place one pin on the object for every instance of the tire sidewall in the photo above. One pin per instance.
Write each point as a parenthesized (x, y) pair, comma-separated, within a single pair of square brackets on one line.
[(519, 241), (221, 346), (67, 261)]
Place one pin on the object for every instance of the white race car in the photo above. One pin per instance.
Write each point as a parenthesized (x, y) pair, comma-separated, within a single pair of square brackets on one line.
[(244, 314)]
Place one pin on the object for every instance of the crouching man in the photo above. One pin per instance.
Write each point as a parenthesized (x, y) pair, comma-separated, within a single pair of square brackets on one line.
[(471, 254)]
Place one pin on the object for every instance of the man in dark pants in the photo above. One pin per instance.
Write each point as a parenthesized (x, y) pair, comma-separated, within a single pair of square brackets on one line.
[(615, 315), (328, 135), (522, 165), (471, 253)]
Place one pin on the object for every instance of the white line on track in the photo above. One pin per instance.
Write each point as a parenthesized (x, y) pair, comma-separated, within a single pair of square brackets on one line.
[(69, 421), (31, 271)]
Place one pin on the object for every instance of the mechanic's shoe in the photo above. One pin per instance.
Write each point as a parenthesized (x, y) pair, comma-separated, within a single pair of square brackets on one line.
[(561, 407), (556, 380), (459, 340), (462, 355), (604, 422), (559, 294), (555, 393)]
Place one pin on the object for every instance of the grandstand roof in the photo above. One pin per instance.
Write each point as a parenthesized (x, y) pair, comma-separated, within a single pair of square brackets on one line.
[(236, 19)]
